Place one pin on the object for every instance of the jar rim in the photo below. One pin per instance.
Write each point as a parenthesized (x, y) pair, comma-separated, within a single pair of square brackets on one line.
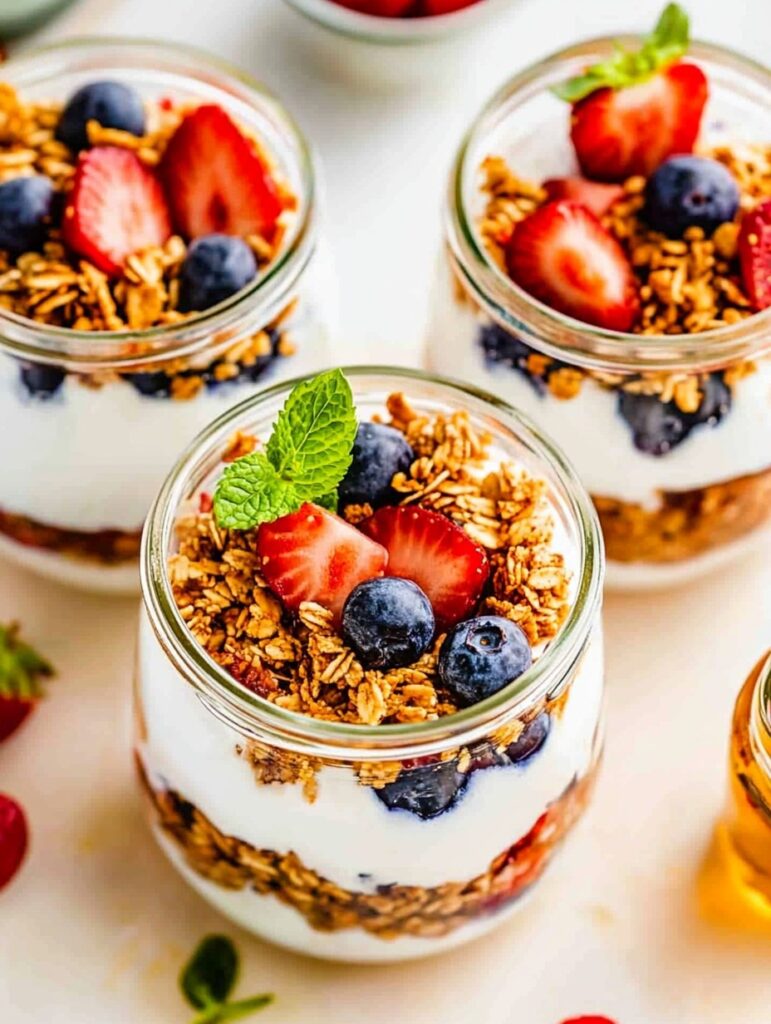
[(252, 714), (89, 351), (558, 334), (760, 716)]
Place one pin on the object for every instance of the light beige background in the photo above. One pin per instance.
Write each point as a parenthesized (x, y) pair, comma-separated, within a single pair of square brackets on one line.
[(94, 929)]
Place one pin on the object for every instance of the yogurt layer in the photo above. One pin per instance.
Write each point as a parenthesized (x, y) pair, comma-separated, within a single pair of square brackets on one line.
[(589, 428)]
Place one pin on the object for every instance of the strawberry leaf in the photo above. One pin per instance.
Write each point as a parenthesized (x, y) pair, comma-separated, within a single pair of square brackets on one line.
[(22, 669), (665, 44)]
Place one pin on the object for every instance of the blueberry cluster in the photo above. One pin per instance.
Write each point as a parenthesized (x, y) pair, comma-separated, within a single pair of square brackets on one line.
[(505, 349), (658, 427)]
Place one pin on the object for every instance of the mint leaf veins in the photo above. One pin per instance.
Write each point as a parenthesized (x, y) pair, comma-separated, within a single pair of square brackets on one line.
[(306, 457)]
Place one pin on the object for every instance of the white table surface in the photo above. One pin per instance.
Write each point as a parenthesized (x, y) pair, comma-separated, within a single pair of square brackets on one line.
[(97, 925)]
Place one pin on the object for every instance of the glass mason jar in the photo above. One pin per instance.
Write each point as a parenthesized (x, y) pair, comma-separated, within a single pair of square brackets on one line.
[(664, 517), (274, 817), (92, 420), (747, 822)]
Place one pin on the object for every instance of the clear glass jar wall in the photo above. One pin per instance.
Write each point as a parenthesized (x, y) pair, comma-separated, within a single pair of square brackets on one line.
[(95, 418), (277, 818), (665, 517)]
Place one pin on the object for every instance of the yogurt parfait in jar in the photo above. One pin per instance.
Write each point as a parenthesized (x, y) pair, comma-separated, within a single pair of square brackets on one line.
[(609, 244), (158, 263), (370, 666)]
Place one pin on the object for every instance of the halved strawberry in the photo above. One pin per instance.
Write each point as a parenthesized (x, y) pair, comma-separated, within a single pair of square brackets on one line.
[(563, 256), (116, 207), (378, 8), (215, 180), (432, 551), (433, 7), (755, 254), (595, 196), (13, 838), (13, 711), (620, 132), (314, 555)]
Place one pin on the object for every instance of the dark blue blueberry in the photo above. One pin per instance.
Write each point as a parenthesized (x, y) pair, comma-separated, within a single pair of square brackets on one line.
[(530, 740), (481, 656), (112, 104), (216, 267), (426, 790), (153, 384), (658, 427), (507, 350), (379, 452), (40, 380), (388, 621), (690, 191), (25, 212)]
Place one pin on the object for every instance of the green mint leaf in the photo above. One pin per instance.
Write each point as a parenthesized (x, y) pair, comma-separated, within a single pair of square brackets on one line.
[(22, 669), (329, 501), (666, 43), (311, 443), (208, 977), (251, 492), (244, 1007)]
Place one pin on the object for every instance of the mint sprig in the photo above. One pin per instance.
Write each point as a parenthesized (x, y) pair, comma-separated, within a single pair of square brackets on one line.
[(209, 977), (306, 457), (22, 669), (665, 44)]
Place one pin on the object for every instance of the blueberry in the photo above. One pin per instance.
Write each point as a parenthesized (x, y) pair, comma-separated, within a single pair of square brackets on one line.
[(379, 452), (426, 790), (152, 383), (25, 211), (216, 267), (507, 350), (480, 656), (530, 740), (690, 191), (112, 104), (40, 380), (658, 427), (388, 621)]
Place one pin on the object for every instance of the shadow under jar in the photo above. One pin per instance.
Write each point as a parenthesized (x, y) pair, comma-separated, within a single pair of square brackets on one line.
[(299, 828), (92, 419), (669, 509)]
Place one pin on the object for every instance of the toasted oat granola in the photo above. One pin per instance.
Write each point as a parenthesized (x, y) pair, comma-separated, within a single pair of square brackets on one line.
[(57, 287), (302, 663)]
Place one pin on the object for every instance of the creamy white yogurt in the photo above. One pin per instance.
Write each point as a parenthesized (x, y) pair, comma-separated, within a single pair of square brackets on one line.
[(348, 832), (589, 428)]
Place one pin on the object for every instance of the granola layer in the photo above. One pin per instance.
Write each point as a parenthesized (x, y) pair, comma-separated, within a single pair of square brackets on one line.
[(685, 523), (106, 547), (393, 911)]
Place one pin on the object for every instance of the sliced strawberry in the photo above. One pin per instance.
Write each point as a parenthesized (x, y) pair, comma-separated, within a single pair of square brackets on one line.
[(13, 838), (314, 555), (116, 207), (563, 256), (378, 8), (215, 179), (594, 195), (432, 7), (13, 711), (755, 254), (429, 549), (620, 132), (592, 1018)]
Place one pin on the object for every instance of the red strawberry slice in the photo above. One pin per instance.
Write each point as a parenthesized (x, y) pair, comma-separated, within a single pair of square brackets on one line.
[(116, 207), (755, 254), (13, 711), (593, 1018), (216, 180), (620, 132), (444, 6), (13, 838), (379, 8), (429, 549), (314, 555), (594, 195), (563, 256)]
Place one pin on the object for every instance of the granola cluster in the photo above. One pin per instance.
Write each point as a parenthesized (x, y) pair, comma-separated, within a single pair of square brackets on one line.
[(302, 663), (687, 285), (391, 911)]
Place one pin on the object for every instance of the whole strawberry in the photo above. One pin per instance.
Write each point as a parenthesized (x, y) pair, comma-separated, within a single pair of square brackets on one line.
[(13, 838), (21, 673), (633, 111)]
